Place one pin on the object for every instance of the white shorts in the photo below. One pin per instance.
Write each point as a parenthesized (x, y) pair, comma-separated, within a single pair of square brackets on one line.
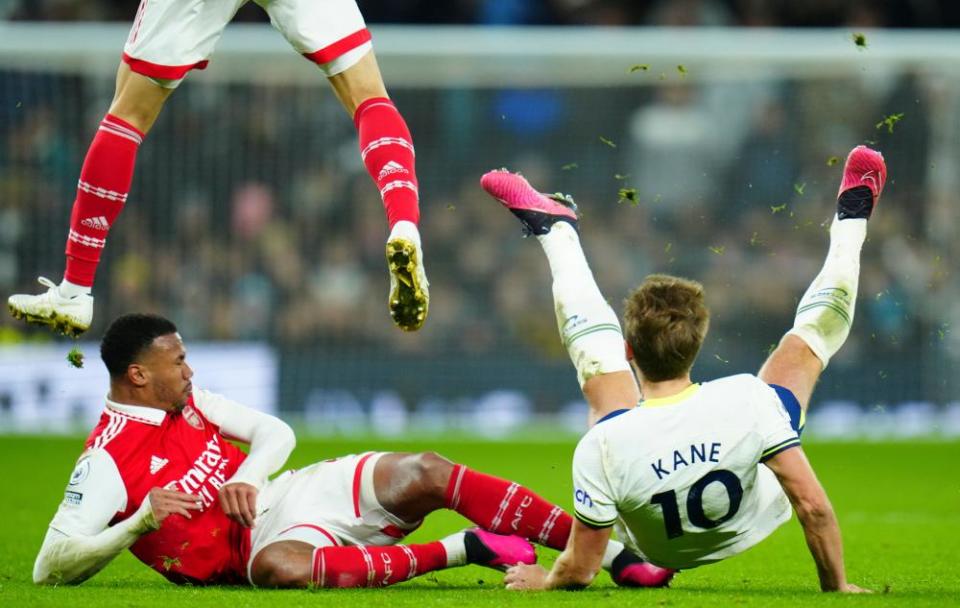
[(171, 37), (328, 503)]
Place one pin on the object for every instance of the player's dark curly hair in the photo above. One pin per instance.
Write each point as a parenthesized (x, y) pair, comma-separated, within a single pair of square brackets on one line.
[(128, 336), (665, 322)]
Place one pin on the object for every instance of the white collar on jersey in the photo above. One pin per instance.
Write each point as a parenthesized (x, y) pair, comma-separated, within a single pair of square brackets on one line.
[(671, 399), (150, 415)]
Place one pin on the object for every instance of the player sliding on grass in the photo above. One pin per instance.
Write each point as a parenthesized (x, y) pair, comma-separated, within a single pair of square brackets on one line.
[(159, 477), (167, 40), (696, 472)]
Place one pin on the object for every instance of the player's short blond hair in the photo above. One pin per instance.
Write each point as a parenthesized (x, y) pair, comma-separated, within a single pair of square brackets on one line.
[(665, 321)]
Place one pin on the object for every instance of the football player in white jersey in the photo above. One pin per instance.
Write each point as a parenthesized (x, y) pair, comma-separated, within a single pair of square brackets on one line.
[(689, 473)]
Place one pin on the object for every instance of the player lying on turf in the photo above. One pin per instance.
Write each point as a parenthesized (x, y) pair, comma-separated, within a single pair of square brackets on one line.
[(158, 476), (167, 40), (696, 472)]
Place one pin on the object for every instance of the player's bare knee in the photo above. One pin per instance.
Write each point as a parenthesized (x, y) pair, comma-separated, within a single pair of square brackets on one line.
[(794, 353), (795, 346), (276, 568), (139, 101), (795, 366), (434, 472), (611, 391), (140, 116)]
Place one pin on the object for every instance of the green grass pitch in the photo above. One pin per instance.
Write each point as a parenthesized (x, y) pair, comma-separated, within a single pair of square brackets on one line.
[(898, 503)]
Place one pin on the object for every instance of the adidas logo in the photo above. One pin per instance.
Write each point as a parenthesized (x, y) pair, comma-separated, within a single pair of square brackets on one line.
[(390, 168), (97, 223), (157, 463)]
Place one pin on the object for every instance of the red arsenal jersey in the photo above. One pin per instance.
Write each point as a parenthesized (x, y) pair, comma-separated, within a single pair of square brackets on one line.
[(184, 452)]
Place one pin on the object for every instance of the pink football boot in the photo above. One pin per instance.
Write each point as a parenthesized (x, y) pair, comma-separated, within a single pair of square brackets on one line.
[(864, 176), (497, 551), (631, 570), (535, 210)]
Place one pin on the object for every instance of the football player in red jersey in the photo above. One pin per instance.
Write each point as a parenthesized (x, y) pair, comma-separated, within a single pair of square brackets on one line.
[(167, 40), (159, 476)]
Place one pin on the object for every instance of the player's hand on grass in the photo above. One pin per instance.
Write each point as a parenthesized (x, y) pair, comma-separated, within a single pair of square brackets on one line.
[(523, 577), (239, 502), (851, 588), (164, 503)]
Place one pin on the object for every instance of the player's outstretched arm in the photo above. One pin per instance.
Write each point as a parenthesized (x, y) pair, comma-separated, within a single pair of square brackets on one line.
[(816, 515), (595, 512), (575, 568), (71, 559)]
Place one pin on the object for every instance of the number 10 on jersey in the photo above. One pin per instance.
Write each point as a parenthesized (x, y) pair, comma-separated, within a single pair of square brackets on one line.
[(695, 514)]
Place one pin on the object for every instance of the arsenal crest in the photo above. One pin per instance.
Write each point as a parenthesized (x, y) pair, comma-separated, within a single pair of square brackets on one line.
[(193, 418)]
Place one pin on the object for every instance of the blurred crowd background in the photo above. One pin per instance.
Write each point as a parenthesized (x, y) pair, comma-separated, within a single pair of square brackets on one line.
[(769, 13), (251, 217)]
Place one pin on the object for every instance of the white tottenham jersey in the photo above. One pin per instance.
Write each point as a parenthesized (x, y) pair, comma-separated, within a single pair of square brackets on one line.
[(681, 476)]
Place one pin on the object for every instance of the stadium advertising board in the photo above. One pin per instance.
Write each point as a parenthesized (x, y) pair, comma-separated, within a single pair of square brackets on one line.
[(40, 391)]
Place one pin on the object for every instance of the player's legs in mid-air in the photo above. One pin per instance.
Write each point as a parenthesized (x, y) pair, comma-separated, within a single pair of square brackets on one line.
[(102, 190), (825, 312), (386, 148), (169, 39), (333, 35), (166, 41), (404, 488), (588, 325)]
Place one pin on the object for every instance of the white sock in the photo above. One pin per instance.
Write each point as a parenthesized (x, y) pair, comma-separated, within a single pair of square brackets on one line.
[(612, 551), (825, 312), (456, 549), (588, 325), (407, 230), (69, 290)]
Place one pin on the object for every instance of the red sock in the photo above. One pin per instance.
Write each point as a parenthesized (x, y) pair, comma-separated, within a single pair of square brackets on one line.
[(370, 566), (387, 151), (104, 182), (505, 507)]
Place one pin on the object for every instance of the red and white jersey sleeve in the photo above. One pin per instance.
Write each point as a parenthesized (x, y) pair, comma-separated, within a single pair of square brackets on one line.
[(93, 497), (271, 440), (80, 540)]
